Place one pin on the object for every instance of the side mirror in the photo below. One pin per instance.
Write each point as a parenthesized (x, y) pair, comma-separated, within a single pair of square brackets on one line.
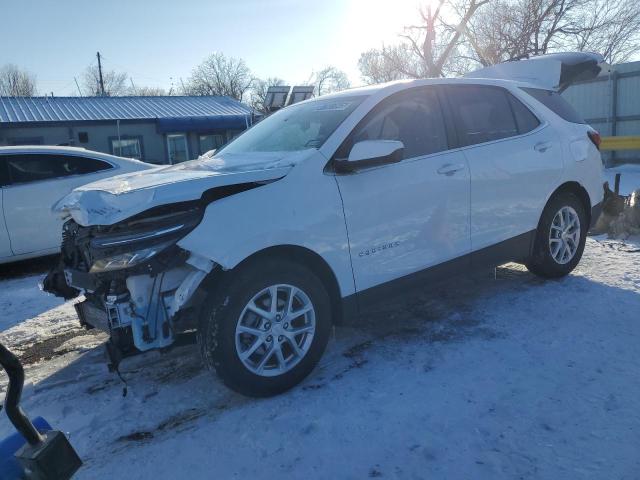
[(371, 153)]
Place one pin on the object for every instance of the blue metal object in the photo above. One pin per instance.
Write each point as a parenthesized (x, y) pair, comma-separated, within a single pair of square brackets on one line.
[(70, 109), (10, 468), (33, 454)]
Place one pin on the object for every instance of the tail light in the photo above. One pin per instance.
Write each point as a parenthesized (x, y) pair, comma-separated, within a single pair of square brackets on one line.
[(595, 138)]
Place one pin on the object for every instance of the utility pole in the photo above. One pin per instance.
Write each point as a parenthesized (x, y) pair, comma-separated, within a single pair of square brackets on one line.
[(100, 74)]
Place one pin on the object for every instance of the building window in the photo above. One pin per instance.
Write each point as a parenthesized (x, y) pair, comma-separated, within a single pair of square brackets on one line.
[(210, 142), (177, 146), (233, 134), (126, 146)]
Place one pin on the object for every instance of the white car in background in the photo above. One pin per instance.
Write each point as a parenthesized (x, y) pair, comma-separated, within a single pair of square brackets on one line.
[(330, 207), (32, 179)]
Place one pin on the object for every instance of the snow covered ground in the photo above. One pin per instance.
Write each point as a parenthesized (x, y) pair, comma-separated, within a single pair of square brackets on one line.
[(507, 377)]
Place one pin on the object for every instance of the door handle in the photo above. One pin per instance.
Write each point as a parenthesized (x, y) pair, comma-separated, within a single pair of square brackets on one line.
[(449, 169), (542, 146)]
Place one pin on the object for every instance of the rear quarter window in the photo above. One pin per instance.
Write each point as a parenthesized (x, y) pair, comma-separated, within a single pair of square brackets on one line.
[(554, 102), (525, 120)]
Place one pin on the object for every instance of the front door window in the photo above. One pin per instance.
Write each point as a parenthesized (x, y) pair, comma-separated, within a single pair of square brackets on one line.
[(177, 145)]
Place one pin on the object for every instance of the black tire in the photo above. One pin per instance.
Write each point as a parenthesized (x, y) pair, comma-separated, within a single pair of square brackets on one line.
[(542, 262), (222, 310)]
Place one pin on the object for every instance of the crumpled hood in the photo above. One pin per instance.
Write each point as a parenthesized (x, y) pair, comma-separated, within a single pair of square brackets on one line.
[(109, 201)]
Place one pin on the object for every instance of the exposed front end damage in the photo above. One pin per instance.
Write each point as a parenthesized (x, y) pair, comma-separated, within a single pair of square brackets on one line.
[(120, 252), (137, 284)]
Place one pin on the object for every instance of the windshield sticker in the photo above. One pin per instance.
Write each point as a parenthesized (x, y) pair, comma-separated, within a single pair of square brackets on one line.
[(334, 106)]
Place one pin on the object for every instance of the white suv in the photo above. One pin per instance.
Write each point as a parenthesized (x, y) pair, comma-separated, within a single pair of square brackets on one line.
[(329, 206)]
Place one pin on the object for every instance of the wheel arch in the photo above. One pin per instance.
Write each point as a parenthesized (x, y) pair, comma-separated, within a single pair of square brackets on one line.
[(306, 257), (576, 189)]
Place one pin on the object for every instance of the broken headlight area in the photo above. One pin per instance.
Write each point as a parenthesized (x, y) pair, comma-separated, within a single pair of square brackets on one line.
[(136, 241), (137, 283), (119, 261)]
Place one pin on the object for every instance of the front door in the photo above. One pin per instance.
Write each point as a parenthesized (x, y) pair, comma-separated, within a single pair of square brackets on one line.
[(405, 217)]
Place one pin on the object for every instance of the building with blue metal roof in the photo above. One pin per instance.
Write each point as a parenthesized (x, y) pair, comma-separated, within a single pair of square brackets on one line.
[(153, 129)]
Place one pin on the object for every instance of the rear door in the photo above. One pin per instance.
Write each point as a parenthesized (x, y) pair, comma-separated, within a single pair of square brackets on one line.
[(514, 160), (37, 181)]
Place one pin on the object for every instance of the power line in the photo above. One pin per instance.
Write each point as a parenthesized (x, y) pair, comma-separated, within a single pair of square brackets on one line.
[(79, 91)]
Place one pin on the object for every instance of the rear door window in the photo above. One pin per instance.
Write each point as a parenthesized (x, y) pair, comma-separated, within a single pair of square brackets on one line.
[(482, 113), (28, 168), (554, 102), (413, 117)]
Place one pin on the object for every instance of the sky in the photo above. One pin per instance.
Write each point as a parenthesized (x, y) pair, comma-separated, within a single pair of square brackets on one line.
[(158, 43)]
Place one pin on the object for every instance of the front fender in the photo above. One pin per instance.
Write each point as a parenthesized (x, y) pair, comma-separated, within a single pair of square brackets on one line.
[(303, 209)]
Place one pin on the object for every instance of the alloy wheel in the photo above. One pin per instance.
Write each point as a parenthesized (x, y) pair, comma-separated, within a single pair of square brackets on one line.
[(564, 235), (275, 330)]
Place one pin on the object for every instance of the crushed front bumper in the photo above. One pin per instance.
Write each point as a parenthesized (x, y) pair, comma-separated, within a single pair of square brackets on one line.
[(143, 307)]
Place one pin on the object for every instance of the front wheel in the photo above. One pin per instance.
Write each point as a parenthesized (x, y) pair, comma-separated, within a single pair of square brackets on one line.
[(560, 238), (266, 331)]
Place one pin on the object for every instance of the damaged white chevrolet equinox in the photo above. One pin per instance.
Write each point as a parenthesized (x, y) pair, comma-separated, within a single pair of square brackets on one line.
[(330, 205)]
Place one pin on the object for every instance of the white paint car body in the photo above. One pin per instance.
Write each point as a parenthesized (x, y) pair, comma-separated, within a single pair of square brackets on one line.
[(29, 228), (375, 229)]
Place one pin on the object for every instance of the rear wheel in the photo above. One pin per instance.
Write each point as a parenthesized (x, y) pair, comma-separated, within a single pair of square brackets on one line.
[(560, 238), (266, 331)]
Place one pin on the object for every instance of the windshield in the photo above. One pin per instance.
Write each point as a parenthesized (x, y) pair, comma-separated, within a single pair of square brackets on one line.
[(298, 127)]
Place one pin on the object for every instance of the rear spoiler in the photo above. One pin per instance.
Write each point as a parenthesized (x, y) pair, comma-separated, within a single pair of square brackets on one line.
[(553, 71)]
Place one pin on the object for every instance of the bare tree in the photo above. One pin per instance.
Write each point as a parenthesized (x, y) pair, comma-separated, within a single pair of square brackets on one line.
[(387, 63), (115, 83), (519, 28), (435, 41), (611, 28), (220, 75), (470, 34), (329, 79), (432, 47), (259, 89), (16, 83), (148, 91)]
